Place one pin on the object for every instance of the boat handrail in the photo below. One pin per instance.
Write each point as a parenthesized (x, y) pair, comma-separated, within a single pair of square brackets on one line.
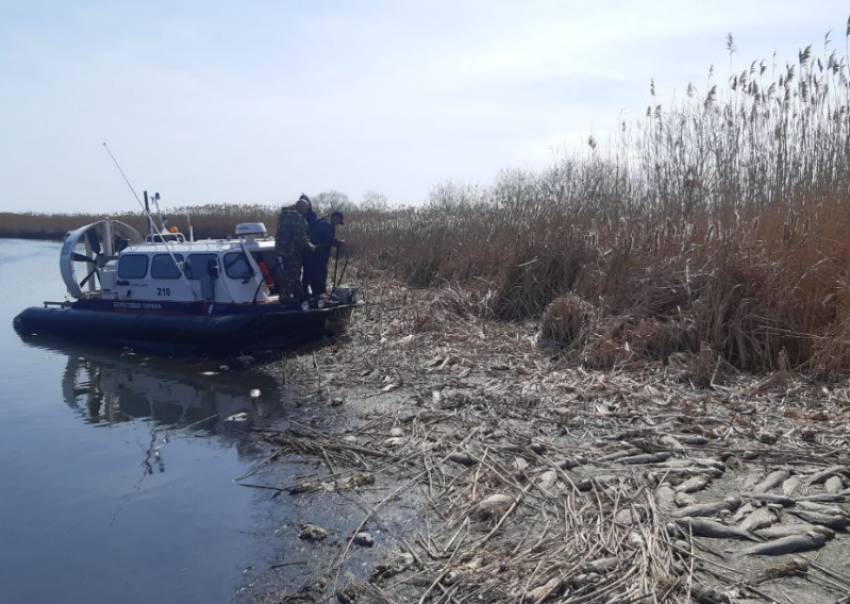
[(163, 237)]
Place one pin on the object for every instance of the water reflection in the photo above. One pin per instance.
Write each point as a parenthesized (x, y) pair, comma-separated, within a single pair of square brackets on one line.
[(111, 389), (116, 472)]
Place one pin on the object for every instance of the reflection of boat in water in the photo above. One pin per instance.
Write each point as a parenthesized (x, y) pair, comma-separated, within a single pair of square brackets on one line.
[(122, 388)]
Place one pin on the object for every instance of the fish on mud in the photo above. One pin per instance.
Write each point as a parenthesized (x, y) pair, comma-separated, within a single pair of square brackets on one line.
[(711, 462), (671, 442), (752, 480), (834, 522), (618, 454), (786, 530), (742, 512), (645, 458), (782, 500), (692, 439), (760, 519), (704, 527), (823, 475), (684, 500), (791, 486), (787, 545), (833, 484), (694, 484), (708, 509), (820, 508), (665, 497), (628, 516), (771, 481), (826, 498)]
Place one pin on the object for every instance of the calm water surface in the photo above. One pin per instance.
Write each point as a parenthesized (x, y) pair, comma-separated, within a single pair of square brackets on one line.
[(116, 470)]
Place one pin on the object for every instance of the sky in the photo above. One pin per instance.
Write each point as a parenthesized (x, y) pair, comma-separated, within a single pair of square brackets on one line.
[(256, 101)]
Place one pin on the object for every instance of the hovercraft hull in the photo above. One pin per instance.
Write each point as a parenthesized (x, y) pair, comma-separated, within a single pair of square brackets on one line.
[(188, 327)]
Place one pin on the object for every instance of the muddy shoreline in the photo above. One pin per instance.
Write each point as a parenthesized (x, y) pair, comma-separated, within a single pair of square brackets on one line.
[(482, 467)]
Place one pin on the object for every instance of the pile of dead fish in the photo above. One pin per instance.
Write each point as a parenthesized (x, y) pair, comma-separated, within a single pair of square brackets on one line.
[(782, 511)]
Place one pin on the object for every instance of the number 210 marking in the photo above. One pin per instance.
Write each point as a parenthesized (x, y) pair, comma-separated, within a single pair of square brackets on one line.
[(163, 291)]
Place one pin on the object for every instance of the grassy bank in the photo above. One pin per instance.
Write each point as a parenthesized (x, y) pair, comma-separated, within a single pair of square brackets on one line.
[(714, 230)]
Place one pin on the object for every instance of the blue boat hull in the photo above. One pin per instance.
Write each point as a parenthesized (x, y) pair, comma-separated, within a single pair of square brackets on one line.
[(195, 327)]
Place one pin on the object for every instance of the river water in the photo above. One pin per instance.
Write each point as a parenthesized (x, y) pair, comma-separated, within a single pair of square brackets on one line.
[(116, 469)]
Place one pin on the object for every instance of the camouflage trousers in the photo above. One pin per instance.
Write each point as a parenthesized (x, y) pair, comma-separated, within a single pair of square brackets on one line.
[(286, 273)]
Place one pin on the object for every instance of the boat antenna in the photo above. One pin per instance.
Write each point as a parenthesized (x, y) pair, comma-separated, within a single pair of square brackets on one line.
[(150, 220), (145, 207), (124, 176)]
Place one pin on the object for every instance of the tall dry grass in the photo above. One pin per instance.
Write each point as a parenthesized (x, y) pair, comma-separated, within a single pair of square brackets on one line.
[(716, 227), (719, 224)]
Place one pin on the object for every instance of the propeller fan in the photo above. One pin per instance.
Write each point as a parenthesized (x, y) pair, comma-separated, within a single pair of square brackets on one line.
[(94, 257), (84, 247)]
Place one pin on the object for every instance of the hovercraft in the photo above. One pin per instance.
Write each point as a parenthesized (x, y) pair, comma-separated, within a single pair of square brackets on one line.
[(168, 293)]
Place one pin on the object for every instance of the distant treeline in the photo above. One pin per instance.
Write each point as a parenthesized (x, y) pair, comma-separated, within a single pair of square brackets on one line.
[(208, 221)]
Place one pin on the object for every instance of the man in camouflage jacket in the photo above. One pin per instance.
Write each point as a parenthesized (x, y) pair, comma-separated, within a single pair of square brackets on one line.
[(292, 241)]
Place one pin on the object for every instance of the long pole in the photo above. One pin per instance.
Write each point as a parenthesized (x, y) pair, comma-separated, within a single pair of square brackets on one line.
[(146, 209), (148, 213)]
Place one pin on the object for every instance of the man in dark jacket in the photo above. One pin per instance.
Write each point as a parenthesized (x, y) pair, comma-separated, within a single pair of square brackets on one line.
[(292, 241), (311, 218), (324, 238)]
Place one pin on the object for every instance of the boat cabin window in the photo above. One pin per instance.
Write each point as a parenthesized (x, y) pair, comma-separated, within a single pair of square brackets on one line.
[(196, 265), (236, 266), (163, 266), (133, 266)]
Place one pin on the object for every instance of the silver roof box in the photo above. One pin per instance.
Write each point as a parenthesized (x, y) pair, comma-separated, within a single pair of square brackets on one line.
[(257, 229)]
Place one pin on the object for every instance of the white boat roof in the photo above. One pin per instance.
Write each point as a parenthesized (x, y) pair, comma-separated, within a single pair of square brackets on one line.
[(214, 246)]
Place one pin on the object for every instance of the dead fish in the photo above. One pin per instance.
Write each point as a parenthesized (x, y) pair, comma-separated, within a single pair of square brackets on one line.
[(708, 595), (752, 480), (733, 463), (708, 509), (672, 442), (771, 481), (684, 500), (694, 484), (665, 497), (782, 500), (628, 516), (546, 480), (493, 505), (819, 477), (742, 512), (791, 486), (711, 462), (704, 527), (602, 565), (312, 532), (571, 462), (833, 484), (787, 545), (539, 594), (646, 458), (820, 508), (825, 498), (464, 459), (761, 518), (618, 454), (692, 439), (833, 522), (786, 530), (363, 540)]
